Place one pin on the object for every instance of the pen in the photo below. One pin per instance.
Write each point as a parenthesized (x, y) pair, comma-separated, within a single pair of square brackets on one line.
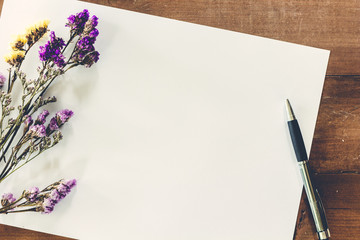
[(313, 196)]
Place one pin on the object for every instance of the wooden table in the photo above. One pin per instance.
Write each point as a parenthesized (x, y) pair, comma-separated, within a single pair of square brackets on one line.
[(335, 153)]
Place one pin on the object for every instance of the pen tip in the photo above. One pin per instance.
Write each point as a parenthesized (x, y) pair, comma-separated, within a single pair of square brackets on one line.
[(291, 115)]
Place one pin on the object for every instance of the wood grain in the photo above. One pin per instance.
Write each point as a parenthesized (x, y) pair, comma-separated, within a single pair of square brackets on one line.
[(1, 4), (335, 147), (340, 195), (13, 233), (335, 153)]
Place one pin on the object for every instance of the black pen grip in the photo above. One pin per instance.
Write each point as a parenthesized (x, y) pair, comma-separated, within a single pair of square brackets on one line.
[(297, 140)]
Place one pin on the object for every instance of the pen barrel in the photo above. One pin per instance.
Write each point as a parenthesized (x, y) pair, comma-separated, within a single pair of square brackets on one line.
[(314, 202), (297, 140)]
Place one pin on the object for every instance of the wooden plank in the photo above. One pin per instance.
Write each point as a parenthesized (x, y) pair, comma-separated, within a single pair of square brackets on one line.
[(340, 195), (343, 223), (335, 146), (1, 4), (339, 191), (13, 233)]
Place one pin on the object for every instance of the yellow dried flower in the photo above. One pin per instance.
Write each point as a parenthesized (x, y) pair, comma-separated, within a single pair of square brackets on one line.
[(43, 23), (15, 57), (36, 31), (19, 42)]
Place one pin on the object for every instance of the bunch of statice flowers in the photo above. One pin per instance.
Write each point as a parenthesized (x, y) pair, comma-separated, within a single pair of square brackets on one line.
[(26, 127)]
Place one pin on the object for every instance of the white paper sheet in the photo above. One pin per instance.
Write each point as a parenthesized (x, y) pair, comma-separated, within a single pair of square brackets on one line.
[(179, 130)]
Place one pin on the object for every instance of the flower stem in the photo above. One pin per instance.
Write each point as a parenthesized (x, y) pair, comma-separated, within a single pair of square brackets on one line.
[(8, 173), (11, 206), (24, 210)]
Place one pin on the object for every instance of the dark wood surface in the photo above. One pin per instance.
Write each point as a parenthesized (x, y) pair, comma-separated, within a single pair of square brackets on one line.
[(335, 153)]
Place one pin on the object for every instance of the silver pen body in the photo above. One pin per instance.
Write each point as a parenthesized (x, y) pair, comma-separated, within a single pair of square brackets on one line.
[(315, 203)]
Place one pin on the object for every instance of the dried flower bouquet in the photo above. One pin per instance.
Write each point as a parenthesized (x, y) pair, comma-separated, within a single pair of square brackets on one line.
[(24, 137)]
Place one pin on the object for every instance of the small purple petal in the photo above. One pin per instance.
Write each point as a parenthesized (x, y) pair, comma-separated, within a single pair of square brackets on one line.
[(9, 197), (38, 130), (47, 205), (41, 119), (59, 192), (54, 196), (64, 115), (28, 121), (94, 33), (51, 51), (77, 22), (2, 80), (94, 21), (63, 190), (53, 124), (32, 194), (70, 183)]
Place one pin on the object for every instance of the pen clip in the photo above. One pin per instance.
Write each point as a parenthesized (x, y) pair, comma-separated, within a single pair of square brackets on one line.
[(321, 210)]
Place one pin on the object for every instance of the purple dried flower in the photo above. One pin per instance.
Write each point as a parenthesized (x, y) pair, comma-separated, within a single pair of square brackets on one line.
[(65, 187), (41, 119), (53, 124), (59, 192), (38, 131), (77, 22), (91, 58), (94, 21), (90, 25), (7, 199), (28, 121), (47, 205), (60, 118), (94, 33), (84, 53), (70, 183), (32, 194), (2, 80), (54, 196), (63, 116), (85, 44), (51, 51), (63, 190)]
